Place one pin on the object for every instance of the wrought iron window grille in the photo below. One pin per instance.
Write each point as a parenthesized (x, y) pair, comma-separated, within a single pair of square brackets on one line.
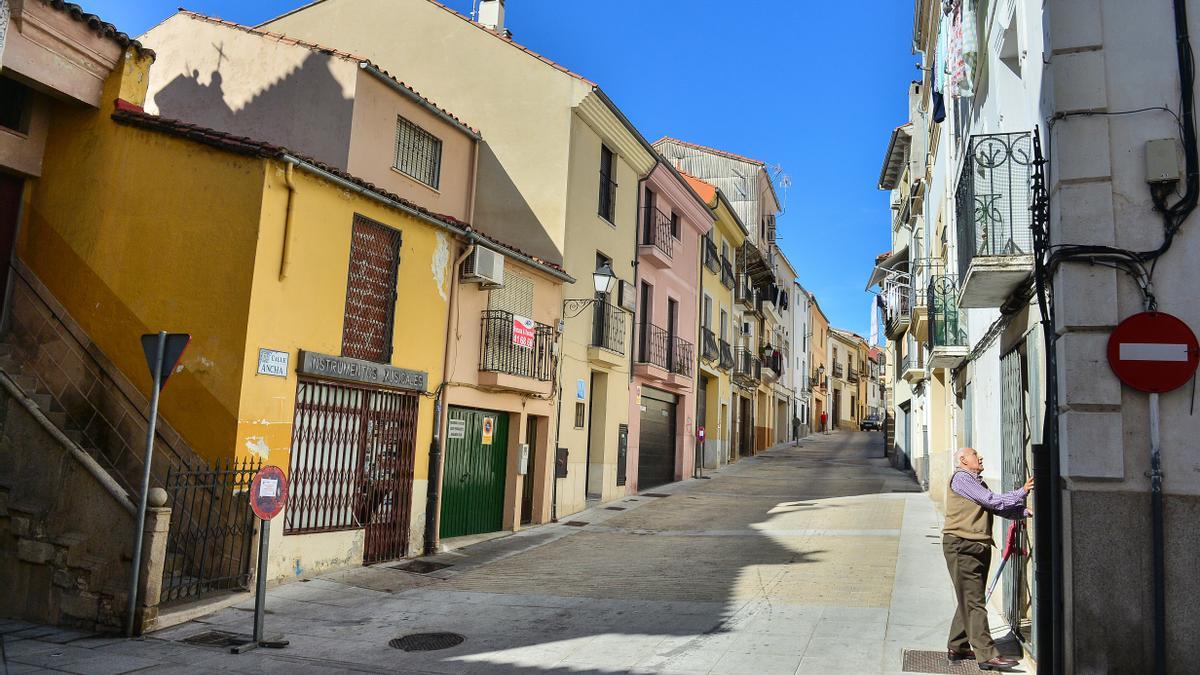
[(993, 198), (499, 353)]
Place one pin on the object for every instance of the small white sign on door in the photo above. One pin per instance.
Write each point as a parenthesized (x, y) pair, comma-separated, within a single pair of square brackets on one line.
[(457, 429)]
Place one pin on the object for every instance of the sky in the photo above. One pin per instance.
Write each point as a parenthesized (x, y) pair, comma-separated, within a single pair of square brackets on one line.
[(770, 79)]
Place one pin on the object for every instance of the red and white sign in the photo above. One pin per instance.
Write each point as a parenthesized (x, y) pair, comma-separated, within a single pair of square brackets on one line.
[(268, 492), (523, 332), (1153, 352)]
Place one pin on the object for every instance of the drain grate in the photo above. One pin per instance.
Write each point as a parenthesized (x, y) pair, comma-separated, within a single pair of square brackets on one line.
[(214, 638), (916, 661), (420, 566), (614, 508), (427, 642), (655, 494), (575, 523), (906, 489)]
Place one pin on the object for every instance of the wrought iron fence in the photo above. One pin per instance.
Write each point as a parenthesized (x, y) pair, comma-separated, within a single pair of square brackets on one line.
[(654, 346), (897, 294), (711, 259), (608, 327), (747, 365), (839, 370), (727, 277), (682, 355), (726, 356), (710, 350), (993, 198), (945, 329), (212, 526), (744, 291), (656, 230), (500, 353)]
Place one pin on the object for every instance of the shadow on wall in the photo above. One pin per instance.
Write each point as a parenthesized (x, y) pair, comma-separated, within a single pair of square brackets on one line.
[(501, 210), (285, 113)]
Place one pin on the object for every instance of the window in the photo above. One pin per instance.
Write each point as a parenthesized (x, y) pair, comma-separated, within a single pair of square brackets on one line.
[(608, 186), (725, 250), (706, 317), (15, 99), (724, 325), (580, 413), (418, 153), (648, 223), (675, 225), (371, 291)]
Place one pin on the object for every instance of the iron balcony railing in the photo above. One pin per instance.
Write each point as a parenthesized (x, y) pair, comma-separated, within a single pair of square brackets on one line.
[(747, 366), (852, 376), (993, 198), (712, 260), (727, 277), (945, 325), (500, 353), (654, 346), (744, 292), (682, 355), (710, 350), (726, 356), (608, 327), (839, 370), (656, 230)]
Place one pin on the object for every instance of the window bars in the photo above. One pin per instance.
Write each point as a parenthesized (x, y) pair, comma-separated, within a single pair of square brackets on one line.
[(656, 230), (993, 198), (418, 153), (371, 291), (608, 327)]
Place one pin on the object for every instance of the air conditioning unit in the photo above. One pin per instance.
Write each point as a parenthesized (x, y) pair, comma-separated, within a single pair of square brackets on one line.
[(485, 267)]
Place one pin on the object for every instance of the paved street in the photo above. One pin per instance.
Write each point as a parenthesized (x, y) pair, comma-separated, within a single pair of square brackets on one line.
[(817, 559)]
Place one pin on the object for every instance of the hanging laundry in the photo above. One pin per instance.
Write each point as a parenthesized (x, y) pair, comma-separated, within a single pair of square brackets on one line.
[(964, 50), (939, 107)]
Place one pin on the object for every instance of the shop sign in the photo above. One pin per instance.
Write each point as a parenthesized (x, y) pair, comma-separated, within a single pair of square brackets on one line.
[(362, 372)]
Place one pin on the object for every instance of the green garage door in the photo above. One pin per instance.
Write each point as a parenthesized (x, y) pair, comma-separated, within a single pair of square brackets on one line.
[(476, 466)]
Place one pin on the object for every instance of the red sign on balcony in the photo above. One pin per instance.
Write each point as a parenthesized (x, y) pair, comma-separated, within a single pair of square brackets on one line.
[(523, 332)]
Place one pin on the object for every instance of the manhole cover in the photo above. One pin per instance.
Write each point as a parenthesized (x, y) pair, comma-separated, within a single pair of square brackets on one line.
[(420, 566), (575, 523), (426, 642), (614, 508), (916, 661), (655, 494), (214, 638)]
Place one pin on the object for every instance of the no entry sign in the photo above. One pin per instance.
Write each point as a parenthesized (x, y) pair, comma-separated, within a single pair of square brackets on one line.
[(1153, 352), (268, 492)]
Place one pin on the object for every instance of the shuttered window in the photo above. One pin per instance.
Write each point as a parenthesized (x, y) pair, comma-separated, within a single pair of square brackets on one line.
[(418, 153), (516, 296), (371, 291)]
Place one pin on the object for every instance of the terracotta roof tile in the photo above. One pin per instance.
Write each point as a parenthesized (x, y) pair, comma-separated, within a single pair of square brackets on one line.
[(322, 49), (706, 148), (706, 191), (132, 115), (99, 26)]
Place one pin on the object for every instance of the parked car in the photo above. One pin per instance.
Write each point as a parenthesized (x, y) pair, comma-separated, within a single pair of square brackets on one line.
[(871, 423)]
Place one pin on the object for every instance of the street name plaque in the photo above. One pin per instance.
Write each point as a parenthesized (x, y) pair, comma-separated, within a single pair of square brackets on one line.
[(362, 372)]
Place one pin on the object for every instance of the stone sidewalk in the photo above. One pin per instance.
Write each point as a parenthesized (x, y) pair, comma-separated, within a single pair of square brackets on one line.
[(816, 559)]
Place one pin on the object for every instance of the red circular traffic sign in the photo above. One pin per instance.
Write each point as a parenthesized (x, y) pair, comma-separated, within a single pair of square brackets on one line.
[(268, 492), (1153, 352)]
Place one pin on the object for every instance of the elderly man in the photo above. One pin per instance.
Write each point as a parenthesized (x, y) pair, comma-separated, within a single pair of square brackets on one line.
[(967, 542)]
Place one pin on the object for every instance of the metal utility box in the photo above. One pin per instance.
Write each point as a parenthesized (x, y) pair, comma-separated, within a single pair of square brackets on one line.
[(1162, 160)]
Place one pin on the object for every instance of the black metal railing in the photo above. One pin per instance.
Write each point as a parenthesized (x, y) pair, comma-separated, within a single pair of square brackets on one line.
[(504, 350), (709, 349), (727, 277), (747, 365), (608, 327), (208, 545), (711, 259), (852, 376), (608, 197), (656, 230), (897, 296), (682, 355), (993, 198), (654, 346), (726, 356), (744, 291), (945, 325), (838, 370)]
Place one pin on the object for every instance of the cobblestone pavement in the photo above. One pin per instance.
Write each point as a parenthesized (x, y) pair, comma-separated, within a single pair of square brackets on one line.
[(810, 559)]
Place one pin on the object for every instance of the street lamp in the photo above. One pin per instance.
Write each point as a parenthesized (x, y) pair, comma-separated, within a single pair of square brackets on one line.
[(605, 282), (604, 279)]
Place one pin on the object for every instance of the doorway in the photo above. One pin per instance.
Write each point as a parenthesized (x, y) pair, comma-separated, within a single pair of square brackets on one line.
[(11, 189), (656, 442), (597, 398), (476, 467), (530, 477)]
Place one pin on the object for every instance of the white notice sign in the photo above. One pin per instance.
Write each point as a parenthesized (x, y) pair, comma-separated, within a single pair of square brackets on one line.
[(269, 487), (271, 362), (457, 429)]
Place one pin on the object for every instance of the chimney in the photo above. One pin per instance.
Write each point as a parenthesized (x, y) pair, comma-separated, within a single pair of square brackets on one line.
[(491, 15)]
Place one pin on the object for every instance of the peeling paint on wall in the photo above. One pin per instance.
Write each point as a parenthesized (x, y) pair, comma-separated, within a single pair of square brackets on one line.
[(257, 445), (441, 261)]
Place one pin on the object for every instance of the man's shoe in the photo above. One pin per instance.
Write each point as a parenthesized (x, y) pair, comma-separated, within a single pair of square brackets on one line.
[(952, 655), (998, 663)]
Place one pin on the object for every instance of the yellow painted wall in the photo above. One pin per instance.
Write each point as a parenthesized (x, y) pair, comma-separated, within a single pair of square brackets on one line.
[(136, 232)]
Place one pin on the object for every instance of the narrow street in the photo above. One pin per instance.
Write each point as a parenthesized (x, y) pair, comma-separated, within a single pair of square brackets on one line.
[(816, 559)]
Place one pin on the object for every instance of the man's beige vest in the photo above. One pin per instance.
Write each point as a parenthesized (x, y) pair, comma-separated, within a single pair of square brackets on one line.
[(965, 518)]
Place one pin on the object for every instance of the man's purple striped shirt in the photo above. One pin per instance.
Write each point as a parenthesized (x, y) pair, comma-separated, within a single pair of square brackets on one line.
[(1009, 505)]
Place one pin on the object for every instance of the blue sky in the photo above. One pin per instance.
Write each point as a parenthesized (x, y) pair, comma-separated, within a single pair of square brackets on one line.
[(814, 87)]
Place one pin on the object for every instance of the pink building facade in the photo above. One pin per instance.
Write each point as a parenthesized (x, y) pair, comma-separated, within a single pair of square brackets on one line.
[(663, 389)]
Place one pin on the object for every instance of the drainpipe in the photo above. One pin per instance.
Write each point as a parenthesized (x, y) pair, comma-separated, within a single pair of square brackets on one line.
[(286, 257), (699, 457), (474, 183), (434, 490)]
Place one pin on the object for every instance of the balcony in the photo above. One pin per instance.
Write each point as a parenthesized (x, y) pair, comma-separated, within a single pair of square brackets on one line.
[(683, 355), (710, 349), (768, 304), (745, 294), (995, 240), (947, 336), (912, 370), (726, 363), (918, 308), (658, 243), (508, 360), (852, 377), (747, 369), (608, 334), (727, 277), (839, 371), (663, 357), (712, 260), (897, 297)]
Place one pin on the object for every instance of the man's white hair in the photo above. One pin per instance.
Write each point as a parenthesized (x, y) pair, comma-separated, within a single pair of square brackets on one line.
[(959, 455)]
